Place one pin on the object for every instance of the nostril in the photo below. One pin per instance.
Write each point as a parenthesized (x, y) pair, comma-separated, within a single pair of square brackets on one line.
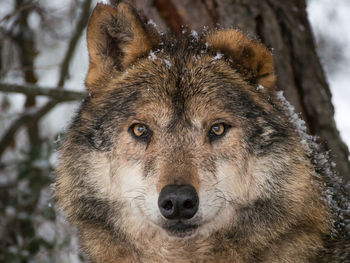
[(188, 204), (168, 205)]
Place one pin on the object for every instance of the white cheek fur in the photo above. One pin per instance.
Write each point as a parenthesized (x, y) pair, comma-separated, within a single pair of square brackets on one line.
[(138, 193), (217, 198)]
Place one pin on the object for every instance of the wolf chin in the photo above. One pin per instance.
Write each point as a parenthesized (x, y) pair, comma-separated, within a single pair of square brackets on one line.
[(183, 153)]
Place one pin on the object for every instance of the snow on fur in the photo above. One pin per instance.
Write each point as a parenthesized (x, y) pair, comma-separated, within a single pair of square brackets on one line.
[(336, 191)]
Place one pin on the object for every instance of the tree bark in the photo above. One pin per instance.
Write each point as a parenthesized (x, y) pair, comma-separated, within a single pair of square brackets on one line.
[(283, 26)]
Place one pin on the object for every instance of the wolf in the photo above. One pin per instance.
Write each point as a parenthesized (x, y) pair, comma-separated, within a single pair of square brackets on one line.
[(183, 152)]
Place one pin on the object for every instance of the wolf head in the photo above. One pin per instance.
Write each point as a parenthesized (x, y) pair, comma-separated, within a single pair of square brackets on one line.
[(182, 139)]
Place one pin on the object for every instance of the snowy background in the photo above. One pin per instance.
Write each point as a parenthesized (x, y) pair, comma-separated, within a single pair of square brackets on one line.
[(331, 23)]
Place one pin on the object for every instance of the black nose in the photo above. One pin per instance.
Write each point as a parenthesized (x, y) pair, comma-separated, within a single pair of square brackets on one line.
[(178, 201)]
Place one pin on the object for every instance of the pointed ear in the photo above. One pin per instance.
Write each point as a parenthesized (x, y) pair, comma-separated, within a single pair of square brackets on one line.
[(116, 37), (251, 58)]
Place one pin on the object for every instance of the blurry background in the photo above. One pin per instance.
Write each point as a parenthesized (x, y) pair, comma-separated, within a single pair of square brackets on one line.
[(43, 62)]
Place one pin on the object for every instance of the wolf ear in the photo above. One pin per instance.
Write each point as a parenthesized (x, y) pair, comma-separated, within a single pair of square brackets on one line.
[(252, 59), (116, 37)]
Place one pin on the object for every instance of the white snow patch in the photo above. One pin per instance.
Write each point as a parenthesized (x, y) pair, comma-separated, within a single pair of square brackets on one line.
[(332, 193), (152, 56), (260, 87), (194, 34), (299, 124), (332, 20), (151, 22), (218, 56)]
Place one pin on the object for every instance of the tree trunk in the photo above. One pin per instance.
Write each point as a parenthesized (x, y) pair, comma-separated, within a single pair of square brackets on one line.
[(283, 27)]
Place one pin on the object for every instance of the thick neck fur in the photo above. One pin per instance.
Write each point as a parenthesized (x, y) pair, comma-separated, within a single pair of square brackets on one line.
[(220, 247)]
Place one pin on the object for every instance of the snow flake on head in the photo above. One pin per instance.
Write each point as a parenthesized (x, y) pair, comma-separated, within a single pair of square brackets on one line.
[(205, 29), (152, 56), (150, 22), (154, 25), (260, 87), (218, 56), (194, 34), (205, 50)]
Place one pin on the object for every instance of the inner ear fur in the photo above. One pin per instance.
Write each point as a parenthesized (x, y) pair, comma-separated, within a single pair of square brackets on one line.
[(116, 37), (251, 58)]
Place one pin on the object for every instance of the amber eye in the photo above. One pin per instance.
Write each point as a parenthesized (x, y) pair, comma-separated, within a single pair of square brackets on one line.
[(217, 130), (139, 130)]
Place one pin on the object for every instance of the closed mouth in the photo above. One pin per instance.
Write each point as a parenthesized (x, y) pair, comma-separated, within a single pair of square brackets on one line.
[(179, 228)]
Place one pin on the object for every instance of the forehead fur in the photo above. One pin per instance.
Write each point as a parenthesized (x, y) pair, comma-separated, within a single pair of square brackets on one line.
[(179, 72)]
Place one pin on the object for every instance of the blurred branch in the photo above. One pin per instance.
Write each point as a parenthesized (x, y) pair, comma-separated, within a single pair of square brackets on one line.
[(79, 28), (27, 118), (26, 43), (19, 10), (59, 95)]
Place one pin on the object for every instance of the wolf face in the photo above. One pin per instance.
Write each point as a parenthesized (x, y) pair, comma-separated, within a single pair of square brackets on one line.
[(181, 146)]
